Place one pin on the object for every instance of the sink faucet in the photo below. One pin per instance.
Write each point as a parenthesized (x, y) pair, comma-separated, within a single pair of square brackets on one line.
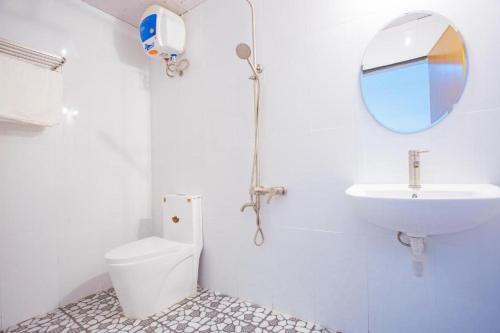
[(414, 168)]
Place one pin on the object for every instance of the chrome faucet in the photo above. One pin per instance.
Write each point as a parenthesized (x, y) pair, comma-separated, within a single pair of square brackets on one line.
[(414, 168)]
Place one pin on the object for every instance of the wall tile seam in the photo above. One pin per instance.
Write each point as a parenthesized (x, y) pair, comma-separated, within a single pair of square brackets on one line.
[(313, 230), (472, 111), (352, 20)]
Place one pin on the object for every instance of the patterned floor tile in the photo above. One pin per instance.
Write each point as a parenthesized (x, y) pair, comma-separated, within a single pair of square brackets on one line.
[(225, 323), (215, 300), (122, 324), (56, 321), (187, 318), (92, 314), (277, 322), (205, 312), (248, 312)]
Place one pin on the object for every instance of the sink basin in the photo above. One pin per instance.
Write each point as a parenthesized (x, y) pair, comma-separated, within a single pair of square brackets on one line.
[(431, 210)]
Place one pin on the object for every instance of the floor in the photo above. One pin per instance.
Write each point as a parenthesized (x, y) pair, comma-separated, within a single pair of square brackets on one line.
[(206, 312)]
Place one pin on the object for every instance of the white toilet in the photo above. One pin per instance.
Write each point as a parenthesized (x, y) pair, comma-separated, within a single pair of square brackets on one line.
[(153, 273)]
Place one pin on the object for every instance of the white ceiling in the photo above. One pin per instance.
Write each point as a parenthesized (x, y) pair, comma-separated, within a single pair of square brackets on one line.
[(131, 11)]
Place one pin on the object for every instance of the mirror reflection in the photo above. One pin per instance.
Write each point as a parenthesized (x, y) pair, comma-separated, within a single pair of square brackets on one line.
[(414, 72)]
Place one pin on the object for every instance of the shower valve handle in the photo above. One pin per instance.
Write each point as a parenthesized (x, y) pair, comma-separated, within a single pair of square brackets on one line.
[(280, 190)]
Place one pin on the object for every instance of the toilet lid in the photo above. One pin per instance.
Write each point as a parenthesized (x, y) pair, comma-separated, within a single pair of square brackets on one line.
[(143, 249)]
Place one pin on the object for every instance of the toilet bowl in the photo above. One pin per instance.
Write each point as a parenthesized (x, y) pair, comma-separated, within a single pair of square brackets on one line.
[(154, 273)]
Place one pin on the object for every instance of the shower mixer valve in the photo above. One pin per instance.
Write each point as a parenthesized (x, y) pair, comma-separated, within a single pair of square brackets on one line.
[(269, 191), (260, 190)]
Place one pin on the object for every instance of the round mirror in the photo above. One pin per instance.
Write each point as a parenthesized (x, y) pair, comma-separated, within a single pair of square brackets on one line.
[(414, 72)]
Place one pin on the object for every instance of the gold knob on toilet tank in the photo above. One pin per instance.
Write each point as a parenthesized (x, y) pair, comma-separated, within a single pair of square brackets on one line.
[(175, 219)]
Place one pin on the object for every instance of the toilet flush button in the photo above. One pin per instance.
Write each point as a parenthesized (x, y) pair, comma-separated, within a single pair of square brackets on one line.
[(176, 219)]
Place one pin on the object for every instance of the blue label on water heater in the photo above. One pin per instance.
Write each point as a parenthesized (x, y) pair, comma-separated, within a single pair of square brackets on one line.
[(148, 27)]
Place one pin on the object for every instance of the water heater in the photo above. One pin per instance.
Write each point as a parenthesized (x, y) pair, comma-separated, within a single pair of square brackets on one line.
[(163, 33)]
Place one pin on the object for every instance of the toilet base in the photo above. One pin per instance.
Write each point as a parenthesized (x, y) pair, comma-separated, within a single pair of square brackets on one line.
[(146, 288)]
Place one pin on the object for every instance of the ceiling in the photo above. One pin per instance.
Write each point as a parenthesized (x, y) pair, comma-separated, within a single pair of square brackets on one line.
[(131, 11)]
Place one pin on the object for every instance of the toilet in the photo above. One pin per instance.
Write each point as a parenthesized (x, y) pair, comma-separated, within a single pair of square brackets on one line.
[(154, 273)]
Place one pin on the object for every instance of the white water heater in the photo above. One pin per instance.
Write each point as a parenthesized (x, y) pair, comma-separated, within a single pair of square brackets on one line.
[(163, 33)]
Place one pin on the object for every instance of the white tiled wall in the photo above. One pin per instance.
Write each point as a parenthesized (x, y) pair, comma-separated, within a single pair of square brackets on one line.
[(71, 192), (319, 262)]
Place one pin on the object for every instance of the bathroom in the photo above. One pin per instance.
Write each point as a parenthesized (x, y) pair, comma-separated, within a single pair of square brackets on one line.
[(129, 136)]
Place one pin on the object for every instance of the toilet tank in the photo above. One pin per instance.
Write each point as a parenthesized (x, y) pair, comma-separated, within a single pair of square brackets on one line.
[(182, 218)]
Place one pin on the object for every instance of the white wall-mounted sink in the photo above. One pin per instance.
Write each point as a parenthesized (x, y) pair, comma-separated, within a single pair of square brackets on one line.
[(431, 210)]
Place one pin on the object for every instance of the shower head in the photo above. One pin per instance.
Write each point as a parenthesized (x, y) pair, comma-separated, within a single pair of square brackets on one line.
[(243, 51)]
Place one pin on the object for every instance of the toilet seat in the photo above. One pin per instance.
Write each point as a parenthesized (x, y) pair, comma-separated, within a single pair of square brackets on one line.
[(145, 249)]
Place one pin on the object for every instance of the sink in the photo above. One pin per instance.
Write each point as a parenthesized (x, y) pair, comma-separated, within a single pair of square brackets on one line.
[(432, 209)]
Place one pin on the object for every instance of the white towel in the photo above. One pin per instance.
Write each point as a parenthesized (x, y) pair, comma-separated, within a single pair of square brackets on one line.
[(29, 93)]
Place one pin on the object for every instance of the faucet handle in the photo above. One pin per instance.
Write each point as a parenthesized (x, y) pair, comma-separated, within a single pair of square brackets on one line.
[(279, 190), (417, 152)]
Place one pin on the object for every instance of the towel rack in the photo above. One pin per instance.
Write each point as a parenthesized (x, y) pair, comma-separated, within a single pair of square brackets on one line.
[(43, 59)]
